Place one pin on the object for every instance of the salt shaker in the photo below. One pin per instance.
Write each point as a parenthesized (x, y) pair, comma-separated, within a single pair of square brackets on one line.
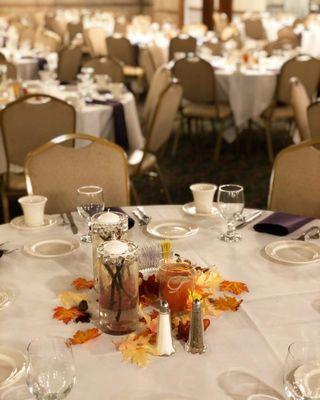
[(164, 337), (195, 344)]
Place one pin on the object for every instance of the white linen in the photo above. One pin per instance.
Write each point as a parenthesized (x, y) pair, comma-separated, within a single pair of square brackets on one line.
[(97, 120), (246, 349)]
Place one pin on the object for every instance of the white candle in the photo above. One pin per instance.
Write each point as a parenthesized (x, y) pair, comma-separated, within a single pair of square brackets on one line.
[(109, 218), (115, 247)]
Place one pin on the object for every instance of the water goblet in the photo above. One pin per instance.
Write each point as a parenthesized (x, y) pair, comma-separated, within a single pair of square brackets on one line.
[(301, 376), (230, 204), (89, 202), (50, 368)]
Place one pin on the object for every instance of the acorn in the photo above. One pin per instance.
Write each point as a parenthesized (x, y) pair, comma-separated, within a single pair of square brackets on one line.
[(83, 305)]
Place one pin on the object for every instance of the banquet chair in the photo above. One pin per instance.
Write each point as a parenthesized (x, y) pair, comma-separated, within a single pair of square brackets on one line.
[(254, 29), (74, 28), (2, 58), (120, 48), (147, 63), (215, 47), (56, 171), (106, 66), (48, 40), (69, 63), (11, 70), (307, 70), (313, 114), (95, 39), (300, 102), (160, 81), (200, 94), (26, 124), (294, 184), (182, 44), (280, 44), (158, 130), (288, 33)]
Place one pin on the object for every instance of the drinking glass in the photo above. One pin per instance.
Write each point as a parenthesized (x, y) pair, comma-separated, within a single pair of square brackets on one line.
[(230, 204), (301, 376), (50, 368), (89, 202)]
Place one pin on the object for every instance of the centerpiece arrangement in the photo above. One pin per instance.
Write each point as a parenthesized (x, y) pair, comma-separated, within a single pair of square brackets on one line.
[(129, 300)]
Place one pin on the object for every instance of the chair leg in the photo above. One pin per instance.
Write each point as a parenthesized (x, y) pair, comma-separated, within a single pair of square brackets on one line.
[(164, 186), (176, 138), (269, 142), (218, 146), (5, 207), (135, 195)]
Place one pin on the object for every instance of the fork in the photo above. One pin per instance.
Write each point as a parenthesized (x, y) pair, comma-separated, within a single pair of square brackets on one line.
[(139, 218), (144, 216), (64, 221)]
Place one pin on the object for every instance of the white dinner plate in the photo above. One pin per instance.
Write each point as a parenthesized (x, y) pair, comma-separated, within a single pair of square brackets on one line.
[(190, 208), (12, 364), (19, 223), (51, 247), (6, 296), (172, 229), (293, 252)]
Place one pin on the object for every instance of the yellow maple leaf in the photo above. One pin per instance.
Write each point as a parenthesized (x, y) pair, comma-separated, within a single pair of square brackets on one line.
[(81, 337), (71, 299), (136, 348), (207, 281), (233, 287), (227, 303)]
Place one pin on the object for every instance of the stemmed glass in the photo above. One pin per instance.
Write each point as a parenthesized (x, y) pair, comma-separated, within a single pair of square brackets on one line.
[(301, 376), (230, 204), (50, 368), (89, 202)]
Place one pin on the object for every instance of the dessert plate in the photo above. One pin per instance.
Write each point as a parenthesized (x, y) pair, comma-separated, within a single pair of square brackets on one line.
[(293, 252), (190, 208), (52, 247), (12, 365), (19, 223), (172, 229)]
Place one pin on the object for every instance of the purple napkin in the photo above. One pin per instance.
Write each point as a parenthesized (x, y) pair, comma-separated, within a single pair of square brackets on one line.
[(280, 223), (120, 210), (120, 126)]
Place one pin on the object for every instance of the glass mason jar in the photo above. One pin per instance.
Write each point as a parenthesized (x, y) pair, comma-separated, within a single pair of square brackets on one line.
[(106, 226), (118, 286)]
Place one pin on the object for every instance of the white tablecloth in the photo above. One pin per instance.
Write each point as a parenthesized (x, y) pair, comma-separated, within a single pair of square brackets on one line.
[(97, 120), (246, 349)]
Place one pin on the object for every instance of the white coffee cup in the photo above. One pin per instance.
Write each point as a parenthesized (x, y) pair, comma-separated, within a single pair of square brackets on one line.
[(203, 194), (33, 209), (117, 90)]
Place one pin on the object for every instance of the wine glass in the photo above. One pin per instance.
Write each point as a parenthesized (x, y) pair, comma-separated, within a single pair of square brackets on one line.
[(301, 376), (50, 368), (89, 202), (230, 204)]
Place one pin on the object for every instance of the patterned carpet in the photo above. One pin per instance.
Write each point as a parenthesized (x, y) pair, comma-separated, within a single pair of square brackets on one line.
[(244, 162)]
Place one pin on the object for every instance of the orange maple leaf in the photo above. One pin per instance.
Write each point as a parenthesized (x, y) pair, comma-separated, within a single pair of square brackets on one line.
[(81, 337), (66, 314), (227, 303), (82, 283), (233, 287)]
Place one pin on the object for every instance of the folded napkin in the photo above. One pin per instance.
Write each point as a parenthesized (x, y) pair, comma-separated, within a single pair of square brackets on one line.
[(280, 223), (120, 126), (120, 210)]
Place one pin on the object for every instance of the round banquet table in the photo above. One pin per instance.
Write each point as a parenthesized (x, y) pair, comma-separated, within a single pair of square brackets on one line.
[(246, 349)]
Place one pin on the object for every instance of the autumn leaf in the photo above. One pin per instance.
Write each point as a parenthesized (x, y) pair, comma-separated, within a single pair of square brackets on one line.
[(207, 281), (148, 300), (150, 319), (66, 314), (81, 337), (227, 303), (233, 287), (136, 348), (71, 299), (149, 286), (82, 283)]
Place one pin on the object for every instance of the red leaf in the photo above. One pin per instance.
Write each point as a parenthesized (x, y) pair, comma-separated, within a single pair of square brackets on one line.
[(82, 283)]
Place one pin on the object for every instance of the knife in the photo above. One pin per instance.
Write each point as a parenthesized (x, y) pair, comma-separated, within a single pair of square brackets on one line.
[(250, 218), (73, 226)]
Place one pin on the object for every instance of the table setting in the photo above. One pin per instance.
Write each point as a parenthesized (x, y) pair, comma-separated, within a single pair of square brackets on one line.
[(161, 288)]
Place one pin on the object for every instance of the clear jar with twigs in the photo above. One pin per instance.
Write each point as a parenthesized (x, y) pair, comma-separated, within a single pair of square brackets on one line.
[(106, 226), (118, 286)]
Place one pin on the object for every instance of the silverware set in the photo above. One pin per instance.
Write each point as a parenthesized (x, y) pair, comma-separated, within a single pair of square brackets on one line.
[(312, 233), (5, 251), (248, 218), (67, 219), (141, 216)]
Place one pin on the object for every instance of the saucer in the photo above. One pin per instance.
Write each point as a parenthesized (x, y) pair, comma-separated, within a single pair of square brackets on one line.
[(190, 208), (172, 229), (293, 252), (12, 365), (19, 223), (52, 247)]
